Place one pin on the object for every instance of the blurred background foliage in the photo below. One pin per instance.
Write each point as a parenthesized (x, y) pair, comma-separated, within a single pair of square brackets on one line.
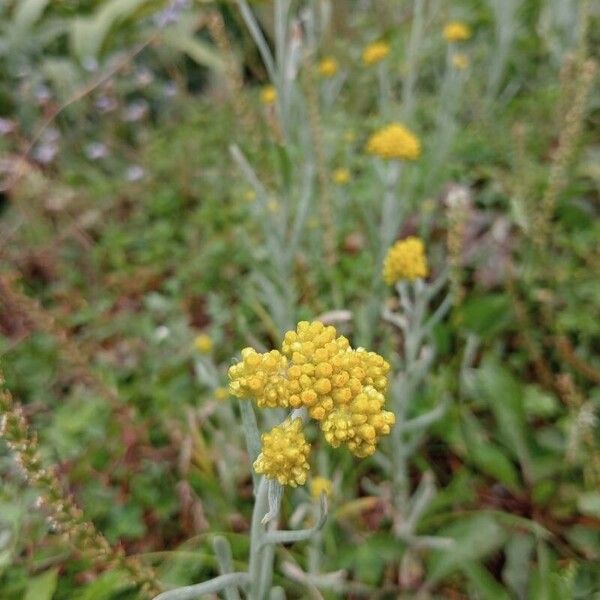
[(126, 229)]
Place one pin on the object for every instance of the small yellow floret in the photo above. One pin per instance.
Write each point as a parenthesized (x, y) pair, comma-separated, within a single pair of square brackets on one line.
[(284, 455), (406, 259), (221, 393), (394, 141), (457, 31), (328, 67), (375, 52), (268, 95), (318, 485), (341, 176), (203, 343), (460, 61)]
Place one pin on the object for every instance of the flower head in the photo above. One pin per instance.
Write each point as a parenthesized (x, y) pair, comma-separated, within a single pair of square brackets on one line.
[(375, 52), (456, 31), (268, 95), (394, 141), (360, 423), (260, 376), (460, 61), (405, 260), (341, 176), (318, 485), (284, 455), (328, 67), (203, 343)]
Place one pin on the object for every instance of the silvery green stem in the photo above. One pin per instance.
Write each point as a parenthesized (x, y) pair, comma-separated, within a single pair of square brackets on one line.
[(277, 593), (416, 33), (385, 92), (251, 433), (193, 592), (223, 552), (260, 568)]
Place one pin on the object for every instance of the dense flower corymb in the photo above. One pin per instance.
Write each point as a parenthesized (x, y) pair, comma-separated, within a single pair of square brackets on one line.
[(342, 388), (284, 455), (375, 52), (405, 260), (394, 141), (328, 67), (456, 31)]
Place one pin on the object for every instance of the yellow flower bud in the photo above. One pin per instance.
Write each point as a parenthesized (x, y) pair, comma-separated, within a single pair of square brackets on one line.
[(456, 31), (203, 343), (268, 95), (328, 67)]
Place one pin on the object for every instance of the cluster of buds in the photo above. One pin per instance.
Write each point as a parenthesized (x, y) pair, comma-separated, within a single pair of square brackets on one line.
[(340, 387)]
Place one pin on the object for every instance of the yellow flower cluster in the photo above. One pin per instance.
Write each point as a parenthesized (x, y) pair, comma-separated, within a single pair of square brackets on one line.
[(457, 31), (360, 423), (203, 343), (262, 377), (375, 53), (342, 388), (405, 260), (284, 455), (268, 95), (328, 67), (341, 176), (394, 141)]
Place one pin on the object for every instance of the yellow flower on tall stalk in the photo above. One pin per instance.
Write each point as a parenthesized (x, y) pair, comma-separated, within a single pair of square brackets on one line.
[(394, 141), (406, 259), (375, 53), (460, 61), (342, 388), (284, 455), (268, 95), (328, 67), (456, 31), (341, 176), (203, 343)]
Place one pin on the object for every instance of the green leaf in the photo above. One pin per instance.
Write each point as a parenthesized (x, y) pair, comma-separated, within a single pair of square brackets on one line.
[(486, 315), (88, 34), (27, 14), (200, 52), (486, 586), (518, 553), (504, 396), (105, 587), (43, 586), (486, 455), (492, 461), (476, 537)]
